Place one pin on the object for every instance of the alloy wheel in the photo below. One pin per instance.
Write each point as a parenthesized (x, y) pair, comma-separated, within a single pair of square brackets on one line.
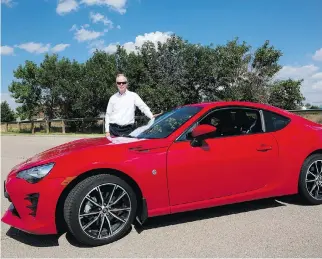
[(104, 211), (313, 180)]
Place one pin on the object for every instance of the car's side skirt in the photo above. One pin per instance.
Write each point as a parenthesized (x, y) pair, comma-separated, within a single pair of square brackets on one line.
[(243, 197), (267, 192)]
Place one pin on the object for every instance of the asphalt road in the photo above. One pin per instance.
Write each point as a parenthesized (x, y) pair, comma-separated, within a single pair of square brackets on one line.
[(267, 228)]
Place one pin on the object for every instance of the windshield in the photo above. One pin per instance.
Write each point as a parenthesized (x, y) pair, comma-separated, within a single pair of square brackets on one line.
[(166, 124)]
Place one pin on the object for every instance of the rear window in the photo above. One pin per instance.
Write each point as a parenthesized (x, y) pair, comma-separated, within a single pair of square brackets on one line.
[(274, 121)]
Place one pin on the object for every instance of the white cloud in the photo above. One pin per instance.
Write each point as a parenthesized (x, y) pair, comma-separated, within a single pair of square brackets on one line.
[(99, 45), (66, 6), (317, 76), (97, 17), (118, 27), (111, 48), (74, 27), (8, 3), (130, 46), (318, 86), (297, 72), (85, 35), (116, 5), (312, 85), (33, 47), (154, 37), (318, 55), (6, 50), (60, 47)]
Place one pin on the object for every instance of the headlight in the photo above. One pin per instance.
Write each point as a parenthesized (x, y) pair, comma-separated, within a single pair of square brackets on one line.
[(35, 174)]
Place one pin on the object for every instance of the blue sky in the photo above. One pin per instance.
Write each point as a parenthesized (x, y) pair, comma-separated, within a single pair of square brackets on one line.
[(72, 28)]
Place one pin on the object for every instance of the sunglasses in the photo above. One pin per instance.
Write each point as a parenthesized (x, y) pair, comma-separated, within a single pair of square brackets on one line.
[(121, 83)]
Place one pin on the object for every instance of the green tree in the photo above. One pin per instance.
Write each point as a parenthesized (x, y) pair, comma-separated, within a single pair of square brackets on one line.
[(165, 75), (310, 106), (26, 90), (49, 80), (307, 105), (263, 68), (286, 94), (229, 70), (7, 114), (71, 87), (98, 84)]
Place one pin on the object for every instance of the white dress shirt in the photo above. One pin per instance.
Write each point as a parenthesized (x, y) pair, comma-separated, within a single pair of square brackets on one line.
[(121, 109)]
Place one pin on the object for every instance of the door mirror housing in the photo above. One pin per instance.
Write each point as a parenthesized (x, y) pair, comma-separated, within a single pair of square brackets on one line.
[(200, 133)]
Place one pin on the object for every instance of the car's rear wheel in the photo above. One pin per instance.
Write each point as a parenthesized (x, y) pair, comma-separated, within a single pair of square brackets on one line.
[(310, 182), (100, 209)]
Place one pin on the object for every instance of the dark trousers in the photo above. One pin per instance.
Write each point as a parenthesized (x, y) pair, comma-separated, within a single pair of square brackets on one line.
[(118, 131)]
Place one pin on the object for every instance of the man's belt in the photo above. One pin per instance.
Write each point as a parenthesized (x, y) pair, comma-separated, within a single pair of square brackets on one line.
[(121, 126)]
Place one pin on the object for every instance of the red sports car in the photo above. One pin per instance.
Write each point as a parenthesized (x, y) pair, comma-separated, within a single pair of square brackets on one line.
[(192, 157)]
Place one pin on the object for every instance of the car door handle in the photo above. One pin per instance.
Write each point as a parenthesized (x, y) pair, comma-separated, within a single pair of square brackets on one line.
[(264, 147)]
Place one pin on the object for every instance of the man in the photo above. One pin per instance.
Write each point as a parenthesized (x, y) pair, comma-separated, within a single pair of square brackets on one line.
[(120, 111)]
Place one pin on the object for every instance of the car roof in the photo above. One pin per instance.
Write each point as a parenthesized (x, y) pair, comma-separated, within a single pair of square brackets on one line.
[(210, 105)]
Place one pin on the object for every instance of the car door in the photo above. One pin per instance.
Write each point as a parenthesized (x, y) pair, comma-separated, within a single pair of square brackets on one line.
[(229, 163)]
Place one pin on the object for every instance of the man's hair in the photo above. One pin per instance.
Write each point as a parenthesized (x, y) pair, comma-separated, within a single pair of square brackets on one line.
[(121, 74)]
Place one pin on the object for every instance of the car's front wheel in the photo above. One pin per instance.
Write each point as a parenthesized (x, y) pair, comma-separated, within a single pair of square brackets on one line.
[(100, 209), (310, 182)]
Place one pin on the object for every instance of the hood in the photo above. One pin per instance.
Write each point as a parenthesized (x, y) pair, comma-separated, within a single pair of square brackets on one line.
[(132, 144), (78, 145), (63, 149), (68, 147)]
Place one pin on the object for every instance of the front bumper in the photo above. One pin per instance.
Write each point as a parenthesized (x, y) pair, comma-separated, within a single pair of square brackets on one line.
[(33, 206)]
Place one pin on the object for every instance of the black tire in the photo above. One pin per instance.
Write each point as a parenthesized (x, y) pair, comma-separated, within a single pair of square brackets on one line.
[(74, 201), (303, 189)]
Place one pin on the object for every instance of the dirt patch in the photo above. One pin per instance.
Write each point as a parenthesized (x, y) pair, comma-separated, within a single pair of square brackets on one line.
[(313, 117)]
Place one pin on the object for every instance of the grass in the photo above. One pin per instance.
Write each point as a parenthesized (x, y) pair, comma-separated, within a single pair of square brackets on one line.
[(315, 118), (51, 134)]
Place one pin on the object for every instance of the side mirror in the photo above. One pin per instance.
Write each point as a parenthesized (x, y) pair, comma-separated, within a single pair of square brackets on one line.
[(200, 133)]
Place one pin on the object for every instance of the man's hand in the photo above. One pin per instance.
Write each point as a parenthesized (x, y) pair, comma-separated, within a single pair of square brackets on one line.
[(108, 134), (155, 115)]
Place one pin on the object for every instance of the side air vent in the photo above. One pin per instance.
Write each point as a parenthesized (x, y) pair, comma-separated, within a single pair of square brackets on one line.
[(33, 198)]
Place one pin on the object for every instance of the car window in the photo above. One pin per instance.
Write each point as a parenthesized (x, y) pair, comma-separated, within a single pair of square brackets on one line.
[(232, 122), (167, 123), (274, 121)]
